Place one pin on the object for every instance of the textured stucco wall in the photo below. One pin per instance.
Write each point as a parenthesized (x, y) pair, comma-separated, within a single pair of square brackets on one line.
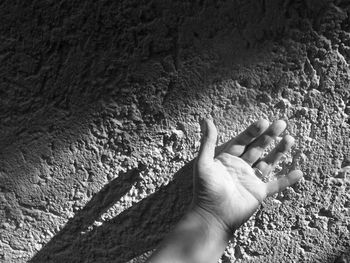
[(99, 110)]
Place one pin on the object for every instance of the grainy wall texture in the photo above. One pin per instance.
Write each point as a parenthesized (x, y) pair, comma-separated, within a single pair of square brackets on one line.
[(99, 109)]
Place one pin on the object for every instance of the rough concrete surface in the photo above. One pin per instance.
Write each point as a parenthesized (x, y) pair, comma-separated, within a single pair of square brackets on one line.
[(99, 109)]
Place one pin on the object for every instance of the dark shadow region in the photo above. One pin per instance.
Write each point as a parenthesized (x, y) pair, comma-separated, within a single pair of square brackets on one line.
[(130, 234)]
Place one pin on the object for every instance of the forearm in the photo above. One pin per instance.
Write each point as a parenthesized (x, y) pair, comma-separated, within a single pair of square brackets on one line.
[(196, 238)]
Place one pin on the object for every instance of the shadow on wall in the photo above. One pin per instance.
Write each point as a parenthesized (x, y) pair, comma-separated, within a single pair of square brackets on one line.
[(132, 233), (128, 235), (90, 65), (343, 258)]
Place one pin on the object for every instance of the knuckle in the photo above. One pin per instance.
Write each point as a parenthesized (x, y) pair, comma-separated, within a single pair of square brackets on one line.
[(265, 140), (225, 158)]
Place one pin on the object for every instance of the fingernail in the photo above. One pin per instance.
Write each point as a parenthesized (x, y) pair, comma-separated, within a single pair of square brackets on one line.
[(204, 127)]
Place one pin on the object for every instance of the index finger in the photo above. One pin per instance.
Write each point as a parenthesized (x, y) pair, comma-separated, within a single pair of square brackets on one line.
[(237, 145)]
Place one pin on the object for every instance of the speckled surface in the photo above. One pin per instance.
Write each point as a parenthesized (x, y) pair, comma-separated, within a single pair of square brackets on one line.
[(99, 109)]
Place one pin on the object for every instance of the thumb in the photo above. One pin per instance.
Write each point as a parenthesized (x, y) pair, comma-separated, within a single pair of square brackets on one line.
[(207, 149)]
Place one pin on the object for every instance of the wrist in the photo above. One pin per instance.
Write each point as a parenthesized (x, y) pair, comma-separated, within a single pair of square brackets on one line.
[(197, 238), (211, 224), (200, 232)]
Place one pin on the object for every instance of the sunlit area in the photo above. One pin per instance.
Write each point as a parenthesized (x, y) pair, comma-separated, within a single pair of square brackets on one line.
[(107, 109)]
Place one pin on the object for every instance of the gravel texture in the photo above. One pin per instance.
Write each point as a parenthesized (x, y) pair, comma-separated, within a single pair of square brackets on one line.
[(100, 103)]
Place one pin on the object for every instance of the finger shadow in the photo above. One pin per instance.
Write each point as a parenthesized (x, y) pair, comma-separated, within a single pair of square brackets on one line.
[(130, 234), (98, 204), (342, 257)]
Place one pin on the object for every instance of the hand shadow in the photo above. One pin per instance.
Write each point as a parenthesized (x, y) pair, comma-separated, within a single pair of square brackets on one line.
[(130, 234), (343, 257)]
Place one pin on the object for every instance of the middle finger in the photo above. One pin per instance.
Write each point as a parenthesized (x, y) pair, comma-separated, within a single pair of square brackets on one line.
[(257, 147)]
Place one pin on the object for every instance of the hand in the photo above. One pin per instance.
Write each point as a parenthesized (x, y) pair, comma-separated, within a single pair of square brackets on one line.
[(227, 190)]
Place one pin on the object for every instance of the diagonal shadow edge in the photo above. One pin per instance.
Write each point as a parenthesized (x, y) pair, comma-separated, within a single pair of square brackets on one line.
[(133, 232), (98, 204)]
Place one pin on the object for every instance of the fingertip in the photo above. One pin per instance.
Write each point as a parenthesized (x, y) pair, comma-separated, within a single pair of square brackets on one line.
[(257, 128), (209, 122), (287, 142), (289, 139), (294, 176), (281, 124), (211, 131), (261, 125), (207, 149), (203, 125), (276, 128)]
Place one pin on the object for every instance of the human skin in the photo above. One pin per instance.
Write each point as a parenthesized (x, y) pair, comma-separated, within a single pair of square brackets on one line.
[(226, 191)]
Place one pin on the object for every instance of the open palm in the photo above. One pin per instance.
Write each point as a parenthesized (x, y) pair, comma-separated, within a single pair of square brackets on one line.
[(226, 185)]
